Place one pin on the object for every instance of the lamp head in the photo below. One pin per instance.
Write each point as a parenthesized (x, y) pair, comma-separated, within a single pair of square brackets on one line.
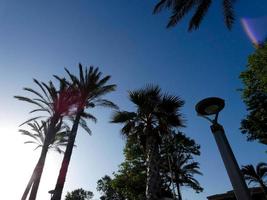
[(210, 106)]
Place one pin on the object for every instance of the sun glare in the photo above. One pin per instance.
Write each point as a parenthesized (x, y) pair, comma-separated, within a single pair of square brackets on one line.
[(18, 161)]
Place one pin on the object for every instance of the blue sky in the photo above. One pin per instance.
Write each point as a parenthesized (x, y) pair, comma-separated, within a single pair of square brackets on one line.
[(40, 38)]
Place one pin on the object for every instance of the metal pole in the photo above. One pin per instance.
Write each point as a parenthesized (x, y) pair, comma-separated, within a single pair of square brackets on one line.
[(237, 180)]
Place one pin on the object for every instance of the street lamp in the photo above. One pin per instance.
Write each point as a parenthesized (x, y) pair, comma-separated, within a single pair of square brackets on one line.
[(212, 106)]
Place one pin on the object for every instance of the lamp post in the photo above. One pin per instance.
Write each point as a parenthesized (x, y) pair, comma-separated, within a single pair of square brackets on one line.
[(212, 106)]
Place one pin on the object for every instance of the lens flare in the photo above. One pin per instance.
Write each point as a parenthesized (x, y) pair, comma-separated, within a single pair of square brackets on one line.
[(256, 29)]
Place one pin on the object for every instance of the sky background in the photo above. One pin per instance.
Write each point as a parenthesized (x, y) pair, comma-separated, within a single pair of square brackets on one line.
[(40, 38)]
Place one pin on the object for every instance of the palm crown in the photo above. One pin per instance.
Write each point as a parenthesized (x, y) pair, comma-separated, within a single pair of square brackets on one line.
[(39, 131), (155, 113), (57, 103), (257, 175), (253, 175), (91, 87)]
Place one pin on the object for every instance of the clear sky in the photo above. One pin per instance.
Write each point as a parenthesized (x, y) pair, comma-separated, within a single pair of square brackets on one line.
[(40, 38)]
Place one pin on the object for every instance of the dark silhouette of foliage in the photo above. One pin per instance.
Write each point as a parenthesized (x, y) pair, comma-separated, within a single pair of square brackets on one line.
[(254, 95), (104, 185), (257, 175), (180, 8), (79, 194), (37, 135), (39, 132), (58, 104), (155, 115), (178, 167), (129, 182), (90, 88)]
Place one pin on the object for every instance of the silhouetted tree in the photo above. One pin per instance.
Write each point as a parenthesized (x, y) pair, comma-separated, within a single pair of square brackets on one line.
[(257, 175), (79, 194), (177, 164), (254, 95), (37, 135), (104, 186), (155, 114), (90, 87), (179, 8), (57, 103), (39, 132)]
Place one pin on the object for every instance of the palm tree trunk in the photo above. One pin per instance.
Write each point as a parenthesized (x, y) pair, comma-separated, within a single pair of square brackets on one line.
[(153, 182), (40, 165), (29, 185), (179, 191), (39, 171), (264, 188), (66, 160)]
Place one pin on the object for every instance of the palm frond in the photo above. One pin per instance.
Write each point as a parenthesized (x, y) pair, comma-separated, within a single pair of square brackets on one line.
[(122, 116), (181, 8), (201, 11), (87, 115), (106, 103), (163, 4), (21, 98), (84, 125), (228, 13), (31, 119)]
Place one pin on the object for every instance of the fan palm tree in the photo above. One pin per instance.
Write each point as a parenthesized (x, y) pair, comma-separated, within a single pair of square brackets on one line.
[(180, 8), (155, 114), (57, 103), (90, 87), (257, 175)]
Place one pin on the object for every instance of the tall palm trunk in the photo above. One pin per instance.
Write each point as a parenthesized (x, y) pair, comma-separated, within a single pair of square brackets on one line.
[(41, 161), (264, 188), (66, 160), (29, 185), (153, 182), (39, 171)]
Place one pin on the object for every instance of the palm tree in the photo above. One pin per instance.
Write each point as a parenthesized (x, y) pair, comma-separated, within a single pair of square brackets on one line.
[(257, 175), (155, 114), (37, 136), (184, 172), (39, 132), (180, 8), (57, 104), (90, 87), (177, 165)]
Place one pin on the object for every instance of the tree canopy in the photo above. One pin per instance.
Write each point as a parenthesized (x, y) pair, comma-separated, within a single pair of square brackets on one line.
[(79, 194), (129, 182), (254, 94)]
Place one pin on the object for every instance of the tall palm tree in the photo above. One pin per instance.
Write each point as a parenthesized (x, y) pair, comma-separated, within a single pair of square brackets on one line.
[(155, 113), (57, 103), (180, 8), (257, 175), (90, 88), (37, 136)]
